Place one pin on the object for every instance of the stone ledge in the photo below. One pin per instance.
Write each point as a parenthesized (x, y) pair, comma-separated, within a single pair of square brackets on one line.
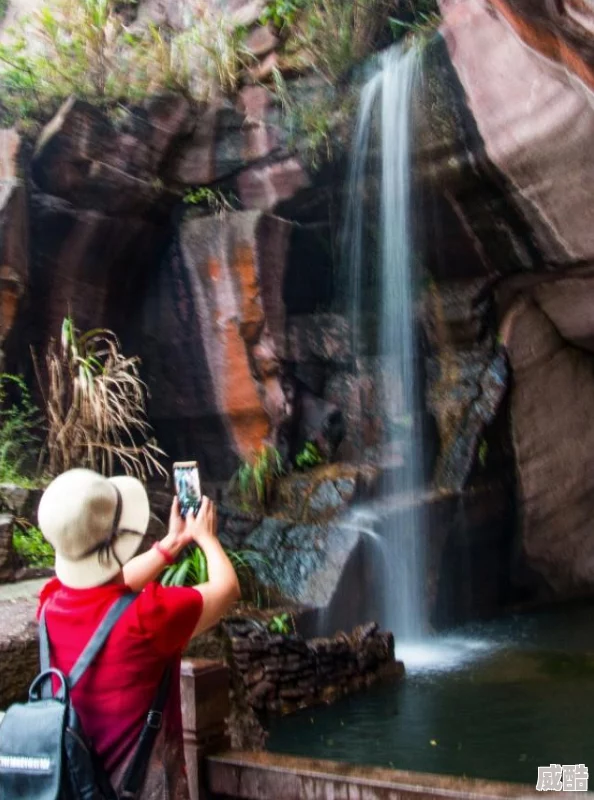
[(268, 776)]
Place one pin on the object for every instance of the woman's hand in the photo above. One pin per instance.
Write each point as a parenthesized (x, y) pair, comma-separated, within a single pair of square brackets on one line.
[(202, 528)]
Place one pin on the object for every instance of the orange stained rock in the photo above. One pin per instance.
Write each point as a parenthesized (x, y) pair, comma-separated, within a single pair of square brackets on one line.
[(242, 402), (10, 294), (250, 302), (547, 43)]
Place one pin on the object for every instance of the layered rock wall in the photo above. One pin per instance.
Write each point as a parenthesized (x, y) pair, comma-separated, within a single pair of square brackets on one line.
[(284, 673)]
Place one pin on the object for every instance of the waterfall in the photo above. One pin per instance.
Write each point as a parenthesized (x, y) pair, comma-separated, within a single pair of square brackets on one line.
[(379, 196)]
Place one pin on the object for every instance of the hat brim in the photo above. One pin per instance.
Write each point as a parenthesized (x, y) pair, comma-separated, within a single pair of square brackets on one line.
[(91, 571)]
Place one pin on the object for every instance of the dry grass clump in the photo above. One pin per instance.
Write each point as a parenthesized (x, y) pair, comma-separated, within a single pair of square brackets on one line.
[(96, 406)]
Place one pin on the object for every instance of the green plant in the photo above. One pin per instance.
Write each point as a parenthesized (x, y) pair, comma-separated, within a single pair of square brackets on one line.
[(282, 623), (20, 421), (282, 14), (192, 570), (256, 479), (33, 549), (423, 26), (81, 47), (213, 199), (483, 452), (309, 457), (212, 54), (96, 406), (311, 123), (335, 34)]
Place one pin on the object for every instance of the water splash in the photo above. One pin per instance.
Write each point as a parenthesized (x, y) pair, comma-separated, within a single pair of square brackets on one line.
[(380, 181)]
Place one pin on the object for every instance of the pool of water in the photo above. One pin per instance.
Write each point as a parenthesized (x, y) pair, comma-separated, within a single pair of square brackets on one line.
[(495, 700)]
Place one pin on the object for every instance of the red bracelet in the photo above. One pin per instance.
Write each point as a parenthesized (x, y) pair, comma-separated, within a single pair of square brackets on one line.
[(169, 559)]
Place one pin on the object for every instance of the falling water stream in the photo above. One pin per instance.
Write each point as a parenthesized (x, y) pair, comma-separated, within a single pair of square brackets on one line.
[(381, 166)]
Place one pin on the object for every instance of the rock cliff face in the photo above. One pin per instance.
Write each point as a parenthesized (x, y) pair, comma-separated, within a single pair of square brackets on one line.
[(508, 170), (238, 316)]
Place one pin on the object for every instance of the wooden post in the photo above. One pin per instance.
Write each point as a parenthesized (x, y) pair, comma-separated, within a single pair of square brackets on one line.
[(205, 707)]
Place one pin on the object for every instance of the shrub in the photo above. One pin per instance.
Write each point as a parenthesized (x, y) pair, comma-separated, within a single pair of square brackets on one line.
[(212, 199), (282, 623), (335, 34), (96, 406), (81, 47), (32, 548), (192, 570), (20, 421), (256, 479), (282, 14), (309, 457), (312, 121), (212, 55)]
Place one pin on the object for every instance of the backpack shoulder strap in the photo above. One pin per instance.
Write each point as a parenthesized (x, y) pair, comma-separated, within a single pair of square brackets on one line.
[(135, 774), (44, 645), (99, 638)]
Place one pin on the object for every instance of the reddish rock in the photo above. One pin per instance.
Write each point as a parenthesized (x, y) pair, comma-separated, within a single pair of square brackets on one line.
[(82, 157), (536, 118), (262, 40), (264, 69), (235, 264), (266, 186), (547, 331)]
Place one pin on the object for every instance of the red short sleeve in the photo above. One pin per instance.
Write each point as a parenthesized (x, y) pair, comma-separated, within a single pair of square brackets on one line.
[(49, 589), (168, 616)]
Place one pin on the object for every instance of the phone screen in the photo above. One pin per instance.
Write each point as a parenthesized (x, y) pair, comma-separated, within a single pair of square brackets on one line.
[(187, 486)]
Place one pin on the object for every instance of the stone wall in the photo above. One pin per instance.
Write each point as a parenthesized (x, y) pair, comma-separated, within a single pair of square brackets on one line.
[(284, 673)]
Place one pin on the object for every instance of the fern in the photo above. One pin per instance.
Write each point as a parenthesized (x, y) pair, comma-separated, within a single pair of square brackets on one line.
[(256, 479)]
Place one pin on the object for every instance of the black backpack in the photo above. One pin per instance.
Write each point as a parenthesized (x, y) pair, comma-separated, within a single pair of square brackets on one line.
[(44, 754)]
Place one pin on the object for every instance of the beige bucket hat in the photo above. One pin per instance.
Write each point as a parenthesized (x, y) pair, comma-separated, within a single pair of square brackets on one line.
[(95, 525)]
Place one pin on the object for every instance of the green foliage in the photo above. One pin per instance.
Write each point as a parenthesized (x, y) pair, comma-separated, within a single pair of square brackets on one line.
[(3, 9), (282, 14), (256, 479), (417, 18), (80, 47), (212, 55), (192, 570), (483, 452), (336, 34), (312, 122), (32, 548), (213, 199), (282, 624), (309, 457), (20, 421), (424, 26)]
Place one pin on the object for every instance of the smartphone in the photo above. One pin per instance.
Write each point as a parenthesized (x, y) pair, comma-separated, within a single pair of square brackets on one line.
[(187, 486)]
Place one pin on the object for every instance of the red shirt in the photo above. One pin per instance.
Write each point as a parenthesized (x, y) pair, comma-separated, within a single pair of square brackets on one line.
[(114, 695)]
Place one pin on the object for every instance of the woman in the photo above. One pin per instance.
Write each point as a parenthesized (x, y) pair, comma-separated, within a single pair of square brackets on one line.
[(95, 526)]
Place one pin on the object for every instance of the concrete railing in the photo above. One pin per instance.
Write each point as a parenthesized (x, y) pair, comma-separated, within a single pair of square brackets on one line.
[(219, 774)]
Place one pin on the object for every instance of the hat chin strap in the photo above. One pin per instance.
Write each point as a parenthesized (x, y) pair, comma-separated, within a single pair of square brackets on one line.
[(106, 549)]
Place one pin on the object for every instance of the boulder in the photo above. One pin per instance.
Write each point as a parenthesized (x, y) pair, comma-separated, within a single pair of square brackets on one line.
[(549, 341), (20, 501), (305, 563)]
